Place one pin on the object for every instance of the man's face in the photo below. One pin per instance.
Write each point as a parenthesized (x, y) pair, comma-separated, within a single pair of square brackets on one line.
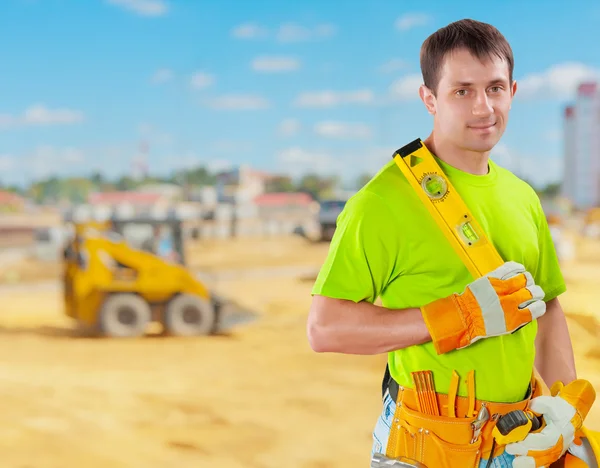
[(473, 100)]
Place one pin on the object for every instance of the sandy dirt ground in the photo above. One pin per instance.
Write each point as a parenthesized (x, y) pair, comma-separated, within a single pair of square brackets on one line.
[(254, 396)]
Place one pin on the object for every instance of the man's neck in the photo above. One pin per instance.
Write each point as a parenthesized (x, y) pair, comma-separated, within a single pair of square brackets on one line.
[(467, 161)]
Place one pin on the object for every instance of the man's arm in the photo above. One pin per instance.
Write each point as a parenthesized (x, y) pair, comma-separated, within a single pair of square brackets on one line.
[(348, 327), (554, 353)]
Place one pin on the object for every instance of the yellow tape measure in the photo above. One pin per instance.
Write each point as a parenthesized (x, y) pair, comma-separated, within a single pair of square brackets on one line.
[(447, 208)]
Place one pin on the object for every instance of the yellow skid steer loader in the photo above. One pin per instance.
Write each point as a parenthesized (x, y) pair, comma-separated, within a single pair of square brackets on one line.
[(121, 275)]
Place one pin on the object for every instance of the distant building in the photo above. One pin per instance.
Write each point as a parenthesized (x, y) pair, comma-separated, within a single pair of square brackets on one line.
[(241, 184), (270, 204), (172, 192), (102, 205), (11, 202), (126, 197), (581, 182)]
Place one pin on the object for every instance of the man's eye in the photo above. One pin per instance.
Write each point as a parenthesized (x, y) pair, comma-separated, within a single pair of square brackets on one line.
[(495, 89), (461, 92)]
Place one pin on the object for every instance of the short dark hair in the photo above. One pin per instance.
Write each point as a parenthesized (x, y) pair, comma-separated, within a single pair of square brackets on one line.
[(482, 40)]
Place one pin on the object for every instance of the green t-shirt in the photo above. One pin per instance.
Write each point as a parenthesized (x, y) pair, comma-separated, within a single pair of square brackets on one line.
[(388, 246)]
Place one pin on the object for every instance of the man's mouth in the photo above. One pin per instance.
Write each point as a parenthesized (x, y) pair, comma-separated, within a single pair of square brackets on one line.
[(482, 126)]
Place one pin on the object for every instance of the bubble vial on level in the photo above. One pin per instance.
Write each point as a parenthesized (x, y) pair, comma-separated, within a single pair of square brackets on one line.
[(469, 233), (434, 186)]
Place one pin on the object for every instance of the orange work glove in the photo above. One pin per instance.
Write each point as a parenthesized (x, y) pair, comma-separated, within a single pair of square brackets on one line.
[(496, 304), (563, 414)]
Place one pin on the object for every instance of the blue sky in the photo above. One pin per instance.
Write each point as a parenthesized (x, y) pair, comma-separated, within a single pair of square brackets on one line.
[(281, 86)]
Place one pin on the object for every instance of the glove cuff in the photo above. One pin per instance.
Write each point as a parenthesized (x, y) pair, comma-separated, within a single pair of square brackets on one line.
[(446, 324), (581, 395)]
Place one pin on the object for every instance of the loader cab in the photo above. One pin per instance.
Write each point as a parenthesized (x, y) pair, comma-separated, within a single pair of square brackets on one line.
[(161, 237)]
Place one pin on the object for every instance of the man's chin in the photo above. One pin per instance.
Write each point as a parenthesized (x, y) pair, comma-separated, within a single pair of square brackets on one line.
[(482, 146)]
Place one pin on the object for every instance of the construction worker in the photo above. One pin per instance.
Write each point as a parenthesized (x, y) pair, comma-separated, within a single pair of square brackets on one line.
[(434, 316)]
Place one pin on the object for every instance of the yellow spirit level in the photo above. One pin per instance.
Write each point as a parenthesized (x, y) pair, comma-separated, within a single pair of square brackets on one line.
[(447, 208)]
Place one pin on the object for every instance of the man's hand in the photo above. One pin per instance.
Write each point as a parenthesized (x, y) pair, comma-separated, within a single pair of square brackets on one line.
[(496, 304), (563, 414)]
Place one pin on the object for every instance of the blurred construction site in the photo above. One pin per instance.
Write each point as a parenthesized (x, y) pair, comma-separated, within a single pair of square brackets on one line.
[(249, 392)]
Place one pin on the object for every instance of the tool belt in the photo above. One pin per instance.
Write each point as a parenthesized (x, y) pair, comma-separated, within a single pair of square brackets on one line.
[(445, 441)]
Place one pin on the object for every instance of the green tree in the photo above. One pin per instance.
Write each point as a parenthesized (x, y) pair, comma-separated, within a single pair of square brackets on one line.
[(319, 187), (280, 184), (97, 179), (551, 190), (76, 189), (125, 183), (197, 176), (46, 190)]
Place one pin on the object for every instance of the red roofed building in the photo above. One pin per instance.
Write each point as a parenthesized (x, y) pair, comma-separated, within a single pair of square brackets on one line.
[(284, 204), (125, 203), (11, 201), (283, 199), (119, 198)]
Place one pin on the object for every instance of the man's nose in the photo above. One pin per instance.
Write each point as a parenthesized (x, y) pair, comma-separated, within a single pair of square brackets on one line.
[(482, 106)]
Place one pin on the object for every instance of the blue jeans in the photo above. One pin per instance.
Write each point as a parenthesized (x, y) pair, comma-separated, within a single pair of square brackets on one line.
[(382, 432)]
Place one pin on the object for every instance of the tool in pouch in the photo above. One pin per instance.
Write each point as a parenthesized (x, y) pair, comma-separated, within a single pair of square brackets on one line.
[(478, 254)]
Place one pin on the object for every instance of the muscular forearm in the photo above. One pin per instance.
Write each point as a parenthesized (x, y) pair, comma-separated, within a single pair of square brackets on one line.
[(554, 352), (336, 325)]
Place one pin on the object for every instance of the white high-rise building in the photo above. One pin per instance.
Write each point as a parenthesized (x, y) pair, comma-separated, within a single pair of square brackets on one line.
[(581, 181)]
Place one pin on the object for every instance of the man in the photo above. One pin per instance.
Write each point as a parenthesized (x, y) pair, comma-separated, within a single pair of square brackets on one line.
[(387, 246)]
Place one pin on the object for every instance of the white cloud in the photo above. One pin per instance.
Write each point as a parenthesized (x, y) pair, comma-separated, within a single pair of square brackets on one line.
[(7, 162), (393, 65), (201, 80), (46, 160), (297, 161), (412, 20), (286, 33), (292, 32), (248, 31), (229, 146), (143, 7), (407, 87), (40, 115), (557, 82), (343, 130), (330, 98), (275, 64), (527, 166), (238, 102), (162, 75), (218, 165), (72, 156), (152, 135), (289, 127)]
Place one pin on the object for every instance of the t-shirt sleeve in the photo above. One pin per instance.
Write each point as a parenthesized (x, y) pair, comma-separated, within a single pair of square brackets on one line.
[(548, 274), (362, 253)]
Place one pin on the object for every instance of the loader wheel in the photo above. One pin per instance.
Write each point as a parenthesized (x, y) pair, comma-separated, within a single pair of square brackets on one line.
[(188, 315), (124, 316)]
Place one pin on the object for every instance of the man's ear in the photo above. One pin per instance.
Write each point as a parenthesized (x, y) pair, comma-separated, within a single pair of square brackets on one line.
[(428, 99), (513, 91)]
